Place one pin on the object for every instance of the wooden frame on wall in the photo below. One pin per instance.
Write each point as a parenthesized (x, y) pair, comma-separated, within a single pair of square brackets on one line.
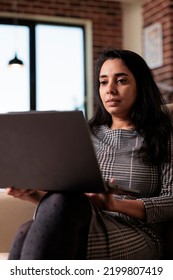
[(153, 45)]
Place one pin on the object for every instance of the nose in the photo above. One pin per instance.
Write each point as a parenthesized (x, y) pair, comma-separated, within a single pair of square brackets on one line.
[(111, 89)]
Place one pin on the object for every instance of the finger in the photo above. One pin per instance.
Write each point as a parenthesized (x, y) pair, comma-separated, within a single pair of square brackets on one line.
[(29, 192), (90, 194), (15, 192), (9, 190), (112, 180)]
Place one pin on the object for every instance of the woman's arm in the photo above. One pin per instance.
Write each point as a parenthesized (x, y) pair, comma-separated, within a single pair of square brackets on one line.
[(160, 208), (132, 208), (33, 196)]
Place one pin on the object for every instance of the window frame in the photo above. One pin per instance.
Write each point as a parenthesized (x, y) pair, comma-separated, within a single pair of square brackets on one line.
[(31, 21)]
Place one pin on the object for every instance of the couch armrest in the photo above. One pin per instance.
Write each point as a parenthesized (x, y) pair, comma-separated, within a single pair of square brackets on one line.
[(13, 213)]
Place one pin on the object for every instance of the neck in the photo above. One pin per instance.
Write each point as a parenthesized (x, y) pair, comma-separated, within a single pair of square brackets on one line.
[(121, 124)]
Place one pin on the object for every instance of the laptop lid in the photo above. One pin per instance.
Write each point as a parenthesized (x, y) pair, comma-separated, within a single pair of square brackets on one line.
[(48, 151)]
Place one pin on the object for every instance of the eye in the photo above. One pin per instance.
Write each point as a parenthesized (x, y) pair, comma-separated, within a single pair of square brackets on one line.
[(103, 82), (122, 81)]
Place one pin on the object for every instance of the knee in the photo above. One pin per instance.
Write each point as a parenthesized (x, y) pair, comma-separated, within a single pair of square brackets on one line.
[(72, 205)]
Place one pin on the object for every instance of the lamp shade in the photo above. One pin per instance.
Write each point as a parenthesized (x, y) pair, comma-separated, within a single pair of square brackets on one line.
[(15, 60)]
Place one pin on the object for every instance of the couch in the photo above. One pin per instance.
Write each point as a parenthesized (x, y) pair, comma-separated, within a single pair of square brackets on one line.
[(13, 212)]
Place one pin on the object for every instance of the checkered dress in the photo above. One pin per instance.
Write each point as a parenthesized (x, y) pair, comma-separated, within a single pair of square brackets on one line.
[(114, 235)]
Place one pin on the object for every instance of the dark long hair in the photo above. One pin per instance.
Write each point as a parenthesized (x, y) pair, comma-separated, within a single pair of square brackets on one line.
[(149, 114)]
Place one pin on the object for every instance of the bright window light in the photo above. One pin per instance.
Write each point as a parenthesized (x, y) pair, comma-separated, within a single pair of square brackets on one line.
[(60, 68), (14, 83)]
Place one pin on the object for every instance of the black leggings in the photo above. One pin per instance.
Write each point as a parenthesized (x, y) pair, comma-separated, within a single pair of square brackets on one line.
[(58, 232)]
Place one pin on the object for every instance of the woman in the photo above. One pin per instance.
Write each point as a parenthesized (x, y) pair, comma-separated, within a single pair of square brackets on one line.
[(132, 135)]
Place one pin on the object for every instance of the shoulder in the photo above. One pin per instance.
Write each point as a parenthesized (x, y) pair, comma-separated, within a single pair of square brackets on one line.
[(100, 131), (98, 134)]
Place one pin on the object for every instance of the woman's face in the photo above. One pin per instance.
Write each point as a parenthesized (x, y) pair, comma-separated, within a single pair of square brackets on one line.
[(118, 89)]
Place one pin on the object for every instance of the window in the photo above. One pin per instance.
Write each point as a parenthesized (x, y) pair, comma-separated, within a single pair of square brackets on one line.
[(14, 83), (56, 74), (60, 68)]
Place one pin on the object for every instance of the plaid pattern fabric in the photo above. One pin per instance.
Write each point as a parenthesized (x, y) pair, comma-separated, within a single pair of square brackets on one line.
[(117, 236)]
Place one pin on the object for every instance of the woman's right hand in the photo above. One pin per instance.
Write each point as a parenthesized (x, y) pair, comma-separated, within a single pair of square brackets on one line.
[(26, 194)]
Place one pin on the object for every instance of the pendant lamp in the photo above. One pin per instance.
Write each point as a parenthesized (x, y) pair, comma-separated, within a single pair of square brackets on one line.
[(15, 61)]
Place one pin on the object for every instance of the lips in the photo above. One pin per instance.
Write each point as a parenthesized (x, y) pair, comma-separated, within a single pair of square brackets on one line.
[(113, 102)]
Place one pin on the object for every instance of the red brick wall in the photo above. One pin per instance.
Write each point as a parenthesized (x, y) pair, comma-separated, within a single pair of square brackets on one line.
[(105, 16), (162, 11)]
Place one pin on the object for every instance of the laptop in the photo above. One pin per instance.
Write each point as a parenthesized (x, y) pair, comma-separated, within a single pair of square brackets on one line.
[(51, 151)]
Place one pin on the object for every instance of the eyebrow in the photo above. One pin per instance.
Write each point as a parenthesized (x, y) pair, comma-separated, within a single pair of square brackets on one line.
[(116, 74)]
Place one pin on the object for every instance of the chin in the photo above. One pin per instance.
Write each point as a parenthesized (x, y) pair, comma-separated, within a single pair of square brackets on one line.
[(113, 111)]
